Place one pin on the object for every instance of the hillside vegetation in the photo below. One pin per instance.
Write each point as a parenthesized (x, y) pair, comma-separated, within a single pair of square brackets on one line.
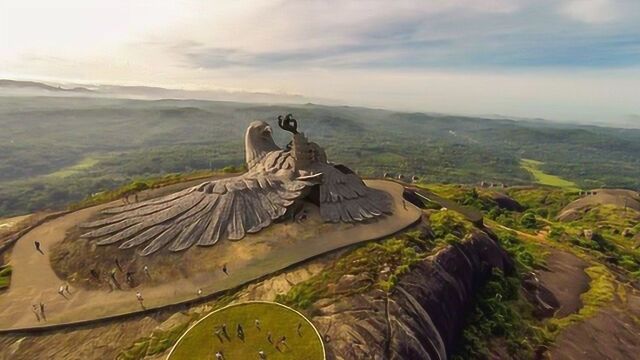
[(61, 150)]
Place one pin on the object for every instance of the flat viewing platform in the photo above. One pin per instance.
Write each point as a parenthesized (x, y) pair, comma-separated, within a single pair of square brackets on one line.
[(257, 255)]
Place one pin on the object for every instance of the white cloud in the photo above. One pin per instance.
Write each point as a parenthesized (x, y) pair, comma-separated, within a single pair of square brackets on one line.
[(329, 47), (591, 11)]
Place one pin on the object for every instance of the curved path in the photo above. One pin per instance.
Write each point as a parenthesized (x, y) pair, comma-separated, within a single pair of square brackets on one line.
[(34, 281)]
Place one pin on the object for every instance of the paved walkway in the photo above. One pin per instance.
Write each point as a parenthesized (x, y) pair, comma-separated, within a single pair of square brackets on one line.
[(34, 280)]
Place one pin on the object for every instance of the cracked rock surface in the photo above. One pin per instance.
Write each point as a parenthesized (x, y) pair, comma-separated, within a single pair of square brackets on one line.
[(422, 316)]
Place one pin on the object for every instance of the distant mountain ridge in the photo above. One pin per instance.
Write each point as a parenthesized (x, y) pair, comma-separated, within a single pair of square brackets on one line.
[(37, 88), (17, 84)]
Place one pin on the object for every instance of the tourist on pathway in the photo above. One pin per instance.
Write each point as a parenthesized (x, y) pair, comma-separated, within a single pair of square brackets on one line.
[(34, 308), (61, 292), (37, 244), (199, 292), (262, 355), (146, 271), (66, 288), (224, 330), (225, 270), (42, 311), (257, 322), (129, 278), (95, 274), (269, 338), (140, 298), (219, 356), (113, 278)]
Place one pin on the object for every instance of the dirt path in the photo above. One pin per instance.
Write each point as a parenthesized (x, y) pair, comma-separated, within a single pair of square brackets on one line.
[(34, 281)]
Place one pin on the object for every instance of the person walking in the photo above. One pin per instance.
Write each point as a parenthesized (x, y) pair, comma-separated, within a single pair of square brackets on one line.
[(129, 278), (240, 331), (257, 322), (225, 270), (66, 288), (113, 279), (34, 308), (140, 299), (95, 274), (199, 292), (146, 271), (282, 341), (269, 337), (61, 292), (218, 335), (219, 355), (37, 245), (44, 317), (262, 355)]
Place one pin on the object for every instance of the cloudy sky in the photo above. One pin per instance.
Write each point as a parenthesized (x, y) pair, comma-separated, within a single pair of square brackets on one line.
[(557, 59)]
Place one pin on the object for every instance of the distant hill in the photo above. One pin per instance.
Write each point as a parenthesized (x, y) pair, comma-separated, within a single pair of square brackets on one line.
[(57, 149), (33, 85), (35, 88)]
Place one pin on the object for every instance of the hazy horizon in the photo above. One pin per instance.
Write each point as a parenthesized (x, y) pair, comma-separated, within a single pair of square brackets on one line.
[(569, 60)]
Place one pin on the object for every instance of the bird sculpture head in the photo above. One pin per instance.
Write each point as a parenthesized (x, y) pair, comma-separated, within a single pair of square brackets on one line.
[(258, 141)]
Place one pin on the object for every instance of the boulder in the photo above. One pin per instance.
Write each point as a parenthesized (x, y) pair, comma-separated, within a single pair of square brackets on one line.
[(505, 202)]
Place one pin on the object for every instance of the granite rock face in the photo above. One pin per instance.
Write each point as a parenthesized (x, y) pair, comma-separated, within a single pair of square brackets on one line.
[(424, 314)]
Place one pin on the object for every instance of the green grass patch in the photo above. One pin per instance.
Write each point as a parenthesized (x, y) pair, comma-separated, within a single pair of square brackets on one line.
[(81, 166), (378, 263), (144, 184), (602, 289), (533, 167), (501, 312), (607, 244), (161, 339), (5, 276), (546, 202), (200, 342)]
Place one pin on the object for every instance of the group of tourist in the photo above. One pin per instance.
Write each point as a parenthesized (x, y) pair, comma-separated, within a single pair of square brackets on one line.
[(221, 333), (112, 281)]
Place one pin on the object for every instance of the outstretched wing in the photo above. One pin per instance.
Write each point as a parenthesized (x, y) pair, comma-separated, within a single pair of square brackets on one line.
[(201, 215), (345, 197)]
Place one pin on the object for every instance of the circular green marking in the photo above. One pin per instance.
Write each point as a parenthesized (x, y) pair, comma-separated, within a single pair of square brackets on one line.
[(205, 338)]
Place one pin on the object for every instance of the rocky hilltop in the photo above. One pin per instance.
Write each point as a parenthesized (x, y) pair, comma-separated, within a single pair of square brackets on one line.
[(412, 321)]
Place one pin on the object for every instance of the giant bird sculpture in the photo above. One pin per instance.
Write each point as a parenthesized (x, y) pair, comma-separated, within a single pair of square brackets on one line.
[(232, 207)]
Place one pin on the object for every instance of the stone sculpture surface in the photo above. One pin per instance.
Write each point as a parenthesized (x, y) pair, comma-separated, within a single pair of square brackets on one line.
[(275, 180)]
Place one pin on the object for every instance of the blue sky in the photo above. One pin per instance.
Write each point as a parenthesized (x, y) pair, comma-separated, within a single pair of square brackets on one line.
[(575, 60)]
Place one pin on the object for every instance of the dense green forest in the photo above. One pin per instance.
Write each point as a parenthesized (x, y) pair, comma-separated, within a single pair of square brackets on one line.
[(56, 150)]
